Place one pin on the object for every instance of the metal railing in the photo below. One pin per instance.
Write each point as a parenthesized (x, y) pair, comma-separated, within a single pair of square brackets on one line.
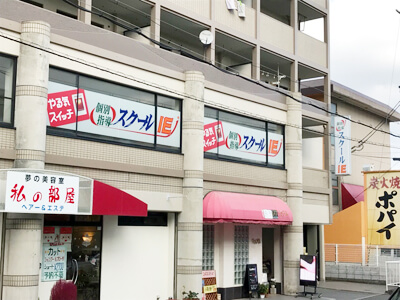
[(365, 255), (392, 274)]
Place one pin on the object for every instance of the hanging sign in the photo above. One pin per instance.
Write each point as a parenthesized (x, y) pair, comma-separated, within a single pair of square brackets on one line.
[(28, 192), (342, 134)]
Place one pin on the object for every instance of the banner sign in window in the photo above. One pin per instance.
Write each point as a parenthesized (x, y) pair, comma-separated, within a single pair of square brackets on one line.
[(54, 265), (382, 195), (243, 142), (101, 114), (28, 192), (342, 133)]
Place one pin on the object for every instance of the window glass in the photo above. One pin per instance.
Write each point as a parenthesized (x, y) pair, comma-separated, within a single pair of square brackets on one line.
[(96, 109), (241, 252), (152, 219), (6, 88), (208, 247), (233, 137), (168, 117)]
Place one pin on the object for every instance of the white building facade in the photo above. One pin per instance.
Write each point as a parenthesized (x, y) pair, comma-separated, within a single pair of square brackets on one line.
[(144, 137)]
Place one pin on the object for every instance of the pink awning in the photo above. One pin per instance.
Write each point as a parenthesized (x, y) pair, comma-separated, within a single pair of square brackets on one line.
[(351, 194), (226, 207), (108, 200)]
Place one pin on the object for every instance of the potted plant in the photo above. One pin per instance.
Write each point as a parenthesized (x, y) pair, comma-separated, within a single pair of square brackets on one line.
[(263, 289), (190, 295)]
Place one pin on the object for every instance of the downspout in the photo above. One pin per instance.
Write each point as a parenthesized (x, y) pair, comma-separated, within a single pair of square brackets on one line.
[(175, 255)]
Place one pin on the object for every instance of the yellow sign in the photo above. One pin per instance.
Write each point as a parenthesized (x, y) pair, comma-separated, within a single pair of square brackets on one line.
[(382, 196), (210, 289)]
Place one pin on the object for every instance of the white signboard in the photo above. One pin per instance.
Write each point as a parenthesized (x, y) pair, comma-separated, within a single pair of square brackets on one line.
[(41, 193), (54, 265), (101, 114), (242, 142), (342, 132)]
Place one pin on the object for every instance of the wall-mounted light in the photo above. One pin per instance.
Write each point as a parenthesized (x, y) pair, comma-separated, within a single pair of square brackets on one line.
[(87, 238)]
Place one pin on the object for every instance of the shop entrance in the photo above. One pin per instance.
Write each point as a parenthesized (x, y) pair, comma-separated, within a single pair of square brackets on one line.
[(268, 251), (80, 237)]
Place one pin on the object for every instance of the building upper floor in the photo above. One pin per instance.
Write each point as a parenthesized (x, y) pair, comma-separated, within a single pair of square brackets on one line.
[(142, 87), (281, 42)]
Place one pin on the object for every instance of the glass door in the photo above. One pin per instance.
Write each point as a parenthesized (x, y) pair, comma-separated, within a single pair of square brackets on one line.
[(83, 261), (72, 251)]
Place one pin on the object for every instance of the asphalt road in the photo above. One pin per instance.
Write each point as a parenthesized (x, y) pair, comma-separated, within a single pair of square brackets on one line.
[(330, 294)]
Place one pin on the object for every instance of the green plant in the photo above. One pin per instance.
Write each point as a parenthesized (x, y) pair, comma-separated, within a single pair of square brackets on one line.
[(263, 288), (190, 295)]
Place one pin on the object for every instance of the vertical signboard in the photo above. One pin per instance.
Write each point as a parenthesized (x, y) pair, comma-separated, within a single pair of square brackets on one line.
[(382, 195), (209, 279), (342, 133), (308, 270)]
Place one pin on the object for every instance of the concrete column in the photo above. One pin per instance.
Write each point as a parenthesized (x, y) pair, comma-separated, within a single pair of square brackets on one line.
[(85, 16), (23, 232), (190, 221), (256, 63), (155, 23), (31, 96), (321, 253), (293, 234)]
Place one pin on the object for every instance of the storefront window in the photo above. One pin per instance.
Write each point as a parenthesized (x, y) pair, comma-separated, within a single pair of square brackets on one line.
[(7, 72), (233, 137), (208, 247), (241, 252), (81, 106)]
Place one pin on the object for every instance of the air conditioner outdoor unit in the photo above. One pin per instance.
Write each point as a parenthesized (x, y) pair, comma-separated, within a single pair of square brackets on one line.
[(368, 168)]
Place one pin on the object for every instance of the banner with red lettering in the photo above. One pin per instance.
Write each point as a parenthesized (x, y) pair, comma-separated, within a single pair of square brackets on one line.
[(238, 141), (101, 114)]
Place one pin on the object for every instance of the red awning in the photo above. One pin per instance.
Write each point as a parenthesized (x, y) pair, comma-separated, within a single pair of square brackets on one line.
[(108, 200), (225, 207), (351, 194)]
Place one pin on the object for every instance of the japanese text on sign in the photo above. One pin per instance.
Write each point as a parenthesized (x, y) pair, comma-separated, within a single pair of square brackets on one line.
[(382, 191), (54, 263), (342, 146), (41, 193)]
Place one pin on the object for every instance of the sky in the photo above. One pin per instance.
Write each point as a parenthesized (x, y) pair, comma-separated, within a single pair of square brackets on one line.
[(365, 48), (365, 51)]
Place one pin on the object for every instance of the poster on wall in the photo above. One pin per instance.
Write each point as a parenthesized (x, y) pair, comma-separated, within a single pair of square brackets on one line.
[(101, 114), (54, 264), (382, 196), (308, 270), (238, 141), (28, 192), (342, 133)]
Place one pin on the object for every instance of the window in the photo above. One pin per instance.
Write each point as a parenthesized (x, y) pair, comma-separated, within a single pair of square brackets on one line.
[(233, 137), (152, 219), (7, 87), (208, 247), (241, 252), (85, 107)]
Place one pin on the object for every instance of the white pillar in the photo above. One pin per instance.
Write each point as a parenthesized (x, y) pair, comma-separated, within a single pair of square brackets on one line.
[(190, 221), (31, 96), (85, 16), (293, 234), (23, 232)]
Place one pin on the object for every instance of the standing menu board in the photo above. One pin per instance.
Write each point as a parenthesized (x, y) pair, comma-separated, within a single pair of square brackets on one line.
[(308, 270), (251, 280)]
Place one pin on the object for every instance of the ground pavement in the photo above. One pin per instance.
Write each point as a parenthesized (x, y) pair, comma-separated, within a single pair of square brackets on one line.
[(340, 290)]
